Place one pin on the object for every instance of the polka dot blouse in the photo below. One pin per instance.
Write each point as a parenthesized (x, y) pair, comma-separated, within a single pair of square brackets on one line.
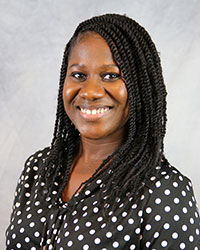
[(166, 217)]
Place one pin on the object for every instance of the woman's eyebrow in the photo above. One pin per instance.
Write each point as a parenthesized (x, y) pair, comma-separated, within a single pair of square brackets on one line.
[(103, 66)]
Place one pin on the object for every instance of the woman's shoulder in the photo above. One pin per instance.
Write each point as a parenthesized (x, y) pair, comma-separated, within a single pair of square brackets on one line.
[(170, 213), (38, 156), (171, 189), (169, 177)]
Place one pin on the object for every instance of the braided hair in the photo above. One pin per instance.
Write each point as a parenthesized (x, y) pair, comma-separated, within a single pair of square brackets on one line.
[(139, 157)]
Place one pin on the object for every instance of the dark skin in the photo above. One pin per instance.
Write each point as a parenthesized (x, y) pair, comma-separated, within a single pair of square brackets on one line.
[(96, 100)]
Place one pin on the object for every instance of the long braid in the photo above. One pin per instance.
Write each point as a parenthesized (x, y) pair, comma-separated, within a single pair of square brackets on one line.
[(132, 164)]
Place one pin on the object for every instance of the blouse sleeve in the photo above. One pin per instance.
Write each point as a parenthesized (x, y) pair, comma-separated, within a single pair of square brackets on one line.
[(171, 218), (29, 171)]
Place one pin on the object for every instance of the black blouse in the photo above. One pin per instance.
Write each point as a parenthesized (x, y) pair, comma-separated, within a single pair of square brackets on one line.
[(165, 218)]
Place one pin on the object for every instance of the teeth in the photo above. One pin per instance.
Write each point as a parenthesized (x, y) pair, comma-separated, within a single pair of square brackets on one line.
[(94, 111)]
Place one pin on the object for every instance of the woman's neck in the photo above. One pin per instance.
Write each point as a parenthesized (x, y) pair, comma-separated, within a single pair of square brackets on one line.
[(99, 149)]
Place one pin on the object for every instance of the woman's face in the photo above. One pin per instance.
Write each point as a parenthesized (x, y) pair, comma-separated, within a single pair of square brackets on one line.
[(95, 95)]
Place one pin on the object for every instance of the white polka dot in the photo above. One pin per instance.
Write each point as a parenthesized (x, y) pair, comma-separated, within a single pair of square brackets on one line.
[(92, 231), (99, 219), (88, 224), (184, 228), (175, 235), (132, 247), (74, 213), (27, 239), (80, 237), (87, 192), (140, 213), (39, 211), (167, 192), (184, 210), (130, 221), (148, 227), (98, 181), (86, 247), (120, 228), (37, 234), (96, 210), (148, 243), (127, 237), (183, 193), (153, 178), (115, 244), (175, 184), (158, 184), (182, 246), (18, 245), (191, 238), (84, 208), (103, 225), (13, 236), (114, 219), (134, 206), (32, 224), (167, 209), (137, 230), (75, 221), (19, 221), (180, 178), (191, 220), (197, 231), (26, 185), (66, 234), (156, 235), (149, 210), (29, 216), (166, 226), (33, 248), (176, 217), (97, 241), (17, 204), (21, 230), (108, 234), (190, 203), (164, 243), (43, 219), (76, 228), (176, 200), (157, 217), (37, 203), (157, 200), (124, 214), (69, 243)]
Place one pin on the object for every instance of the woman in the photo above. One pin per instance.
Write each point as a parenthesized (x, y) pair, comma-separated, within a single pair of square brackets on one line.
[(104, 183)]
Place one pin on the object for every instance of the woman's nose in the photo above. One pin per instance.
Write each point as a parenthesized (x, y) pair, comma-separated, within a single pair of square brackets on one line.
[(92, 89)]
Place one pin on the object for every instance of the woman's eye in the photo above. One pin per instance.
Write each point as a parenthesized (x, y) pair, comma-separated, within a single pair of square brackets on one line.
[(111, 76), (79, 76)]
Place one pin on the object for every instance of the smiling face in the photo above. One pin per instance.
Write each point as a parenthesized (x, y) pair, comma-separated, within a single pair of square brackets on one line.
[(95, 95)]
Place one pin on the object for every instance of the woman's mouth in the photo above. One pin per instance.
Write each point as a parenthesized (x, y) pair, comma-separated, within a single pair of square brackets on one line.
[(93, 113)]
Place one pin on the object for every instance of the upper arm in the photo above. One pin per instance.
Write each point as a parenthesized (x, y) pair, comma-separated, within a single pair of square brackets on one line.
[(171, 218)]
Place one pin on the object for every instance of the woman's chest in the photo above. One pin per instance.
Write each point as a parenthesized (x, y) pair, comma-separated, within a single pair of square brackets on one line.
[(86, 227)]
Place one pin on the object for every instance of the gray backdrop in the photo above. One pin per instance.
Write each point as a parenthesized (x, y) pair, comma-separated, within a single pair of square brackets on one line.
[(33, 35)]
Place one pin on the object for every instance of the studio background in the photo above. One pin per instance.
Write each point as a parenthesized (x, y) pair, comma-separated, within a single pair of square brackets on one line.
[(33, 35)]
